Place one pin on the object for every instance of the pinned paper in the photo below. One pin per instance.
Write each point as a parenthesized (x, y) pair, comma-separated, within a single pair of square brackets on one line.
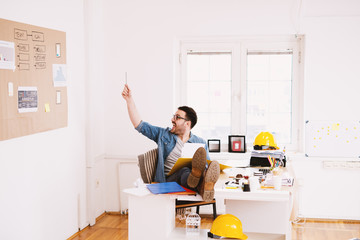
[(7, 55), (58, 97), (11, 89), (335, 127), (59, 75), (58, 49), (27, 99), (47, 107)]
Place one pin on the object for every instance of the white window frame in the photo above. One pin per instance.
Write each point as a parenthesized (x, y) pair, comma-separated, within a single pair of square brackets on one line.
[(239, 47)]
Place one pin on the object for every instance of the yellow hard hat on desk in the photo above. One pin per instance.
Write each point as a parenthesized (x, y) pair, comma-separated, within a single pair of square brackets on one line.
[(227, 225), (265, 140)]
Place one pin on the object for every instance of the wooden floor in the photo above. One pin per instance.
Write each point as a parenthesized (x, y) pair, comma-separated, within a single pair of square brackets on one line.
[(114, 226)]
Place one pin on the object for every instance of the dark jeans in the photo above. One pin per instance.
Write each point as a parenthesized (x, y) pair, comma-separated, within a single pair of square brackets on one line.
[(180, 177)]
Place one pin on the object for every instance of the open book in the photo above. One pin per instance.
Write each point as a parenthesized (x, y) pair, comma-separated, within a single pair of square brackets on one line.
[(186, 157), (183, 162)]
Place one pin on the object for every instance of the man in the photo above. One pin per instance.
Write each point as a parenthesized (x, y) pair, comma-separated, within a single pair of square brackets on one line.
[(170, 143)]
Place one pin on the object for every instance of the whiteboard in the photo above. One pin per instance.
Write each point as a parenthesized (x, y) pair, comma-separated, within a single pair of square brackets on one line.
[(332, 138)]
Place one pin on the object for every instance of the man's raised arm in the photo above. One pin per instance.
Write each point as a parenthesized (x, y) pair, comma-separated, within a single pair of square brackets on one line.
[(132, 110)]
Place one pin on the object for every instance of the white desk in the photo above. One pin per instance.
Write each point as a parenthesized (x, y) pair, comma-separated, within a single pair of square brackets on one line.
[(265, 211), (260, 211), (150, 216), (153, 217)]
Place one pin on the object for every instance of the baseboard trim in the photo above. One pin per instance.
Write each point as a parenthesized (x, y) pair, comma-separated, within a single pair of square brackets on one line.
[(78, 232), (329, 220), (96, 220)]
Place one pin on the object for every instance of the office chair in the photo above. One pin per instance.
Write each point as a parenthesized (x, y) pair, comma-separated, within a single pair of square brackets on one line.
[(147, 163)]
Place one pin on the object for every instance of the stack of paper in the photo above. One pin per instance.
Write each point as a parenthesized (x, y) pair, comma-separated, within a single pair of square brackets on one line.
[(260, 157)]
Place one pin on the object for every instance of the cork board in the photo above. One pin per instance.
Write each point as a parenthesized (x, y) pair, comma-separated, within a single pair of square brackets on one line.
[(33, 93)]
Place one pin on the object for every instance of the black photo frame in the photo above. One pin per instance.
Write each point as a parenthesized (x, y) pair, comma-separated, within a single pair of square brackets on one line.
[(214, 145), (237, 143)]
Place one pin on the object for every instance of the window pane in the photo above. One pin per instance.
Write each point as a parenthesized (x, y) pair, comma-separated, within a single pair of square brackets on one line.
[(219, 97), (278, 122), (269, 81), (209, 93), (280, 96), (213, 125), (275, 123), (198, 96), (280, 67), (198, 68), (254, 63), (220, 67)]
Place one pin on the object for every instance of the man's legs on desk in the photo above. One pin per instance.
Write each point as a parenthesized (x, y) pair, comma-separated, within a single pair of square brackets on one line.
[(190, 178), (211, 175)]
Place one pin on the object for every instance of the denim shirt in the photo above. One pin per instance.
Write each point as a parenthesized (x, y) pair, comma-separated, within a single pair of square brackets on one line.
[(166, 142)]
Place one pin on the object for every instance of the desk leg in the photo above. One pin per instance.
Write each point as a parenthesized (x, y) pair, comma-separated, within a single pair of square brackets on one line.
[(151, 217)]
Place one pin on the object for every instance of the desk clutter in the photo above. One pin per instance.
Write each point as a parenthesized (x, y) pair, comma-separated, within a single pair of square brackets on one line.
[(260, 158), (257, 179)]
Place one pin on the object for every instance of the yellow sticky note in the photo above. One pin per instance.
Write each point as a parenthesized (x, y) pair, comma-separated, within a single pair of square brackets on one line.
[(47, 107)]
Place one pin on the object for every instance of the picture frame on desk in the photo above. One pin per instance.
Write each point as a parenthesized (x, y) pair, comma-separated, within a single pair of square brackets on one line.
[(237, 143), (214, 145)]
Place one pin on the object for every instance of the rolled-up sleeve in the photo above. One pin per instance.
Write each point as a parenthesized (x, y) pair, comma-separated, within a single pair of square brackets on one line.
[(150, 131), (138, 128)]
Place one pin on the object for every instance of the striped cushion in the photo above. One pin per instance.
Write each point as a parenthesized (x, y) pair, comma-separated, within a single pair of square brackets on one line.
[(147, 164)]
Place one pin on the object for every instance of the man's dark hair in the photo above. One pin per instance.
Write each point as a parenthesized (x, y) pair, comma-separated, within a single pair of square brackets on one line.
[(190, 114)]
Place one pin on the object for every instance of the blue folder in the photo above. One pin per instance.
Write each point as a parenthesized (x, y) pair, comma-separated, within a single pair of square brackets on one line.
[(166, 187)]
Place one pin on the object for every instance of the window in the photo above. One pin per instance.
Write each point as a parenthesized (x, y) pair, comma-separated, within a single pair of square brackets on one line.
[(269, 81), (209, 91), (243, 86)]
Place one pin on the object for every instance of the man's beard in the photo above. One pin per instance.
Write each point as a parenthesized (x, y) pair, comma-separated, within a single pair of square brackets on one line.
[(176, 130)]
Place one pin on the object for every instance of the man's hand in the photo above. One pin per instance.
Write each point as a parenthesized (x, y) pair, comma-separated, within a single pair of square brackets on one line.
[(126, 93)]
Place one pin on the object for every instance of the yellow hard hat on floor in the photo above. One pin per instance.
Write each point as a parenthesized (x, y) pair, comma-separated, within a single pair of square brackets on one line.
[(227, 225), (265, 140)]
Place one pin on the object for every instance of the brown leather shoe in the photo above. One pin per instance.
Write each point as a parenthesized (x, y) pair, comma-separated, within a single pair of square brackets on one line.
[(198, 164), (206, 188)]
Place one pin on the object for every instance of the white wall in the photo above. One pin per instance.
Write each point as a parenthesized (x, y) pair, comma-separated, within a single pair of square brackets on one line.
[(43, 176), (141, 39), (332, 71), (95, 60), (329, 193)]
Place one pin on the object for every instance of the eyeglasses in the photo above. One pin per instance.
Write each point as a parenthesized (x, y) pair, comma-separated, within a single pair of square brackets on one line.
[(177, 117)]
